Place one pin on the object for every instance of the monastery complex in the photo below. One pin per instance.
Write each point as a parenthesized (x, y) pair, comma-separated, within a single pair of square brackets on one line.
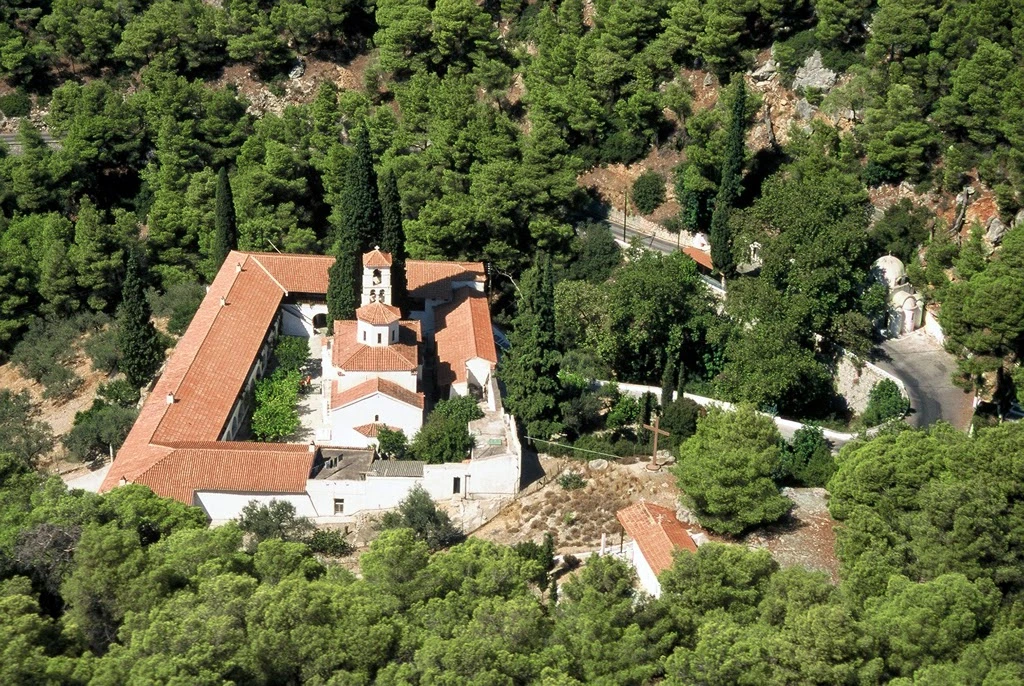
[(385, 368)]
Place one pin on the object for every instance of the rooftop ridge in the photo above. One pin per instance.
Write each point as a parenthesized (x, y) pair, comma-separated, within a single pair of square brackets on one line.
[(267, 272)]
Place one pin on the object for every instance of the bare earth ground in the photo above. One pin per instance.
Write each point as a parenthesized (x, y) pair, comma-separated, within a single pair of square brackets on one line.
[(807, 539), (578, 518)]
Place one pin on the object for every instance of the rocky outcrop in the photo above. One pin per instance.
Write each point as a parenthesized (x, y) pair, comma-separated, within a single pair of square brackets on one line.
[(804, 109), (814, 74), (995, 230)]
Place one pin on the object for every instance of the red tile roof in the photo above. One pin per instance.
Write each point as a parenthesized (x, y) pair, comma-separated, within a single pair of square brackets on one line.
[(211, 361), (425, 279), (378, 314), (351, 354), (657, 532), (699, 256), (463, 333), (297, 273), (372, 387), (376, 258), (229, 466), (371, 430)]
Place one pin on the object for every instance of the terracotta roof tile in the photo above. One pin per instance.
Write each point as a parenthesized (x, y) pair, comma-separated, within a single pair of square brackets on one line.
[(376, 258), (350, 354), (699, 256), (372, 387), (371, 430), (657, 532), (297, 273), (463, 333), (425, 279), (378, 314), (226, 466)]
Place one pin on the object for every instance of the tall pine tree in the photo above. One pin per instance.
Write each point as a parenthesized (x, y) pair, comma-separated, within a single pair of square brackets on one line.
[(343, 281), (359, 213), (139, 343), (530, 368), (392, 237), (730, 185), (224, 221)]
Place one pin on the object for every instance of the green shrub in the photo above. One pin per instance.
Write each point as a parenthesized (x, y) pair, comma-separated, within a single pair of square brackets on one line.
[(276, 415), (462, 409), (16, 104), (99, 431), (885, 402), (807, 460), (649, 191), (292, 353), (329, 542), (21, 433), (442, 439), (101, 348), (419, 512), (178, 304), (393, 444), (119, 392), (571, 481)]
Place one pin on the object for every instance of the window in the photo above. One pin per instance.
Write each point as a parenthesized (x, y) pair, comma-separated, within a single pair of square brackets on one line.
[(394, 335), (376, 277), (378, 339), (364, 335), (339, 506), (376, 418), (456, 486)]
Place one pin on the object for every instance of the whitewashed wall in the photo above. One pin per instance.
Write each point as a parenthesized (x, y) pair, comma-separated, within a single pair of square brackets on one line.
[(933, 328), (406, 380), (373, 409), (297, 319), (221, 507), (648, 579)]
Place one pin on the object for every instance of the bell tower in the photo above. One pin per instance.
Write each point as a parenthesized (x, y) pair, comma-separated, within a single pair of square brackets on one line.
[(376, 277)]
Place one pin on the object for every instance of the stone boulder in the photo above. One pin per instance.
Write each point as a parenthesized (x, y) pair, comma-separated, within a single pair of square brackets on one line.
[(804, 109), (995, 229), (1018, 220), (765, 72), (814, 74)]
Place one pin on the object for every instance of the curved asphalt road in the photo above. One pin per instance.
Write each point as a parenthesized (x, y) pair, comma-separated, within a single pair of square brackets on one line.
[(926, 369)]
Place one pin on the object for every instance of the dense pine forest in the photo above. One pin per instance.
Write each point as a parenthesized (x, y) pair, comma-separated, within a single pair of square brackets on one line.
[(137, 164)]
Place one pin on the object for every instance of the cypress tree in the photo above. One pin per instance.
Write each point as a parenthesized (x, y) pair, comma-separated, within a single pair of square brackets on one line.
[(360, 202), (392, 237), (137, 339), (730, 186), (343, 285), (224, 221), (530, 368)]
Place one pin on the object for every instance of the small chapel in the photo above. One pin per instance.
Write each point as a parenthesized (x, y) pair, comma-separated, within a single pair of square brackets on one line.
[(373, 366)]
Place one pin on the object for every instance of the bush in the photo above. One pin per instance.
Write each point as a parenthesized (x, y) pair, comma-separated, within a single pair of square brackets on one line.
[(101, 348), (20, 432), (597, 254), (571, 481), (807, 460), (276, 519), (291, 353), (393, 444), (418, 512), (649, 191), (276, 415), (442, 438), (119, 392), (60, 383), (885, 402), (622, 146), (329, 542), (99, 430), (178, 304), (680, 420), (463, 409), (16, 104)]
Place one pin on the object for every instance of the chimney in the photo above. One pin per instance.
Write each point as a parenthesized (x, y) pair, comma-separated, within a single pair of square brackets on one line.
[(312, 447), (238, 267), (223, 302), (170, 398)]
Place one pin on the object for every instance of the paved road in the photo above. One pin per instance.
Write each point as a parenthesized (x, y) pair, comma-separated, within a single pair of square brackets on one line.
[(650, 241), (11, 140), (926, 369)]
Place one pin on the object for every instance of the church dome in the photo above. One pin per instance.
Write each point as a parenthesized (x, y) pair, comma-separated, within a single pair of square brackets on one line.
[(890, 270)]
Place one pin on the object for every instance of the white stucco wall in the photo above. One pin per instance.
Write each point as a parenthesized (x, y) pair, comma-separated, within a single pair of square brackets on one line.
[(648, 579), (221, 507), (406, 380), (297, 319), (373, 409), (375, 493), (933, 328)]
